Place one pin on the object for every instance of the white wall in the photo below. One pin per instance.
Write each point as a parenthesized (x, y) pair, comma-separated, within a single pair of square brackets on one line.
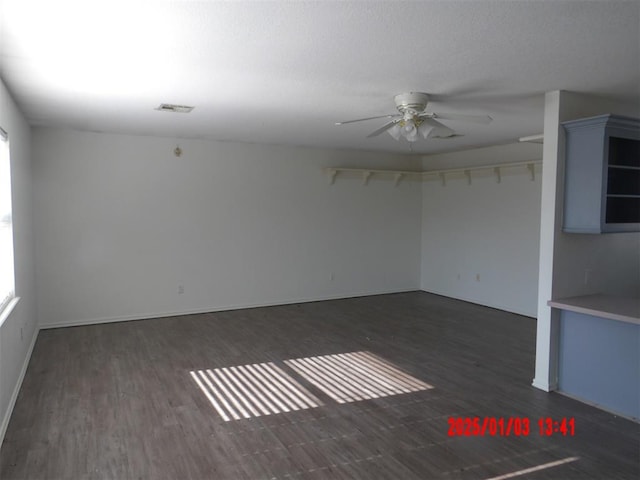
[(487, 228), (19, 329), (121, 223)]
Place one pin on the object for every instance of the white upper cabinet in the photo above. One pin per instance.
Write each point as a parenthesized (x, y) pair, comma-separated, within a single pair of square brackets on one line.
[(602, 176)]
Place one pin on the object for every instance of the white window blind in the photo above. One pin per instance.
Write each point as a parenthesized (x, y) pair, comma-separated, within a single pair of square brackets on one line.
[(6, 226)]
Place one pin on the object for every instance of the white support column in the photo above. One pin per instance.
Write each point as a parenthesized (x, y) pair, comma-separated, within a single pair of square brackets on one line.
[(546, 373), (564, 257)]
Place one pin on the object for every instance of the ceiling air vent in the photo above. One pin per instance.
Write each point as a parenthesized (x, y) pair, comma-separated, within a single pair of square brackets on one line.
[(169, 107)]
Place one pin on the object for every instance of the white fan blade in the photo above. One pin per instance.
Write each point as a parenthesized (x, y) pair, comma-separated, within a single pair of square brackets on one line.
[(384, 128), (453, 135), (368, 118), (443, 133), (463, 117), (437, 129), (434, 123)]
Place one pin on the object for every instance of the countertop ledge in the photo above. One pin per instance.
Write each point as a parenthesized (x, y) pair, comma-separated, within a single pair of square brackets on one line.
[(623, 309)]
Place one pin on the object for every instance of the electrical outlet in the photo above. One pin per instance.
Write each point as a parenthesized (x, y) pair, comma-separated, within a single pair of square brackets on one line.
[(477, 277), (331, 277), (180, 289), (21, 333)]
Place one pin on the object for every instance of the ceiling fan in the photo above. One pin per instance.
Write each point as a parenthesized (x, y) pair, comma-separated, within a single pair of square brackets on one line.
[(413, 121)]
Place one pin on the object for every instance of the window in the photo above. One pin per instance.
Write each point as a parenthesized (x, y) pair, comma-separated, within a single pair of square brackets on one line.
[(6, 229)]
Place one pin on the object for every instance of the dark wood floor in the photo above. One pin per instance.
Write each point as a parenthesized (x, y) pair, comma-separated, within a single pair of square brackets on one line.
[(116, 401)]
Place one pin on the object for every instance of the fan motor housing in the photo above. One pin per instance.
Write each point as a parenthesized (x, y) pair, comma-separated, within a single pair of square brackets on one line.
[(416, 101)]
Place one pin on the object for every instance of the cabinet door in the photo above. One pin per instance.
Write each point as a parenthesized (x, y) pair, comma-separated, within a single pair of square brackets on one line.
[(623, 183), (584, 182)]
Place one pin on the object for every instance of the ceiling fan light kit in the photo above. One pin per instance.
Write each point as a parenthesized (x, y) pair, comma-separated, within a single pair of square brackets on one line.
[(409, 129), (412, 122)]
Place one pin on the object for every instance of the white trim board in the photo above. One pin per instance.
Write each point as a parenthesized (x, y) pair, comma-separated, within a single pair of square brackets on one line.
[(16, 390), (475, 301), (224, 308), (596, 405)]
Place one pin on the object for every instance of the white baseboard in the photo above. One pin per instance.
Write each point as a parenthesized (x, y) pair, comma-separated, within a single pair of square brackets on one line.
[(16, 390), (475, 301), (599, 406), (218, 308), (544, 386)]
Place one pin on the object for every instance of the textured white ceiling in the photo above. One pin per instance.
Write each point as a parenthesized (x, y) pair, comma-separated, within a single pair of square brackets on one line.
[(283, 72)]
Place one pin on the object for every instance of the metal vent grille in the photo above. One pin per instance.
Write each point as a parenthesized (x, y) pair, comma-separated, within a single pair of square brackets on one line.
[(169, 107)]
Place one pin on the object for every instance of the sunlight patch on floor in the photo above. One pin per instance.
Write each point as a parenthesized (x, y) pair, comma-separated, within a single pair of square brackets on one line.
[(355, 376), (252, 390)]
